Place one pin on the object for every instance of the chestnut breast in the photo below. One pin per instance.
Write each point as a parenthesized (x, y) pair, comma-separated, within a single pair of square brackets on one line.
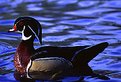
[(22, 57)]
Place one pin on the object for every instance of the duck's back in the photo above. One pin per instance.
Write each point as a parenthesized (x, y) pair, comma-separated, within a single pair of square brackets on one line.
[(52, 51)]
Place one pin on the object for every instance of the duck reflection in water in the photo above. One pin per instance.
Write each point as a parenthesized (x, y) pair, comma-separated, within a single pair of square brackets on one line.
[(50, 62)]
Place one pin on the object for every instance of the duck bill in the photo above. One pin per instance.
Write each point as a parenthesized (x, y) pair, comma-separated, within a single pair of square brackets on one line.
[(13, 29)]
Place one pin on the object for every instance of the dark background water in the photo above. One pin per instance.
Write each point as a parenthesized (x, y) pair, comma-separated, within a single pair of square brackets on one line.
[(66, 23)]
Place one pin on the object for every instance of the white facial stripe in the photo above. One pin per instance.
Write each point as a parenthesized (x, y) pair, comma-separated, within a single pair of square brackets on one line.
[(23, 36), (34, 33)]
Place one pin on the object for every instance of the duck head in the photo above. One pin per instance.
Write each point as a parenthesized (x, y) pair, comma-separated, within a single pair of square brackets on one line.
[(29, 27)]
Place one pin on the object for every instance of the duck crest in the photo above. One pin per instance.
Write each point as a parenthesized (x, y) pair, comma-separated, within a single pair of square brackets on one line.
[(34, 33)]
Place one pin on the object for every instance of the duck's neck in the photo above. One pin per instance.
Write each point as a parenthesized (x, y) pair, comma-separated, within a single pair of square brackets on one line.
[(28, 44)]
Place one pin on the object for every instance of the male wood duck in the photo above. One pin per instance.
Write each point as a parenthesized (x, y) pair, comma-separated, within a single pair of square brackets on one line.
[(49, 62)]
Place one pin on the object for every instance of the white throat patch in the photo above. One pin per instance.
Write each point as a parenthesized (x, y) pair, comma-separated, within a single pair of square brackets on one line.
[(23, 36)]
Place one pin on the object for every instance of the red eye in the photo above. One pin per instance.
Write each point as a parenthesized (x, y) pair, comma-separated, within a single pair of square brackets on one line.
[(21, 23)]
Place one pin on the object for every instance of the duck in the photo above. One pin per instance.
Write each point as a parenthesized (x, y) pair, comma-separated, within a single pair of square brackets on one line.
[(49, 62)]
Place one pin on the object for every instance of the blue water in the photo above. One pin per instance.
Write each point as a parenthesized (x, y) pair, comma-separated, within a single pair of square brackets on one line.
[(66, 23)]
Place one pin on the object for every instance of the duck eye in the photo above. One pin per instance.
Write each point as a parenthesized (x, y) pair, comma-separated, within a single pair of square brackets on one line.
[(21, 24)]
